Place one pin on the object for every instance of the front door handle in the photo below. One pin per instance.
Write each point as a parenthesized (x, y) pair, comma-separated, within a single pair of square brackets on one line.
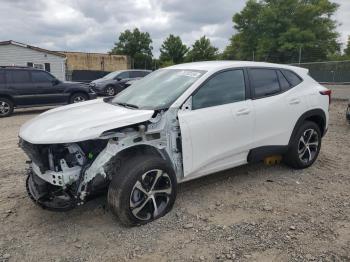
[(243, 111), (294, 101)]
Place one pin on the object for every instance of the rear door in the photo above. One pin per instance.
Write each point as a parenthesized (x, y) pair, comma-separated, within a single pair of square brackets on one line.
[(276, 104), (217, 131), (49, 91), (20, 84)]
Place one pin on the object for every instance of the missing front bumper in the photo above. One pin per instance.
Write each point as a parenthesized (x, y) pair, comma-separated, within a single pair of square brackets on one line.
[(48, 196)]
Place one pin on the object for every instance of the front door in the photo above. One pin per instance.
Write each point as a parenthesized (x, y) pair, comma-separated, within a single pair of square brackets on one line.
[(217, 130), (49, 92)]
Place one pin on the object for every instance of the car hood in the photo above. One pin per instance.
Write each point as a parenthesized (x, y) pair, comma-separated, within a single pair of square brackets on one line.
[(80, 122), (75, 84), (102, 81)]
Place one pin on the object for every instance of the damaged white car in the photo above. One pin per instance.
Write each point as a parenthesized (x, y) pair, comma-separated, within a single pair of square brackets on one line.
[(176, 124)]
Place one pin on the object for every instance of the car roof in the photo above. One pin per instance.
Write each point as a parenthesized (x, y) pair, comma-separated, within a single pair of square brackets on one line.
[(130, 70), (20, 68), (220, 65)]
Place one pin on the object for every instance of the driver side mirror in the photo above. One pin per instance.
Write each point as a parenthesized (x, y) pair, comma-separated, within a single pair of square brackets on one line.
[(55, 82)]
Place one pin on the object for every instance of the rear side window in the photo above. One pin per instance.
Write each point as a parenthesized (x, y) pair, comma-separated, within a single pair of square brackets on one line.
[(19, 76), (264, 82), (292, 77), (2, 77), (41, 77), (224, 88)]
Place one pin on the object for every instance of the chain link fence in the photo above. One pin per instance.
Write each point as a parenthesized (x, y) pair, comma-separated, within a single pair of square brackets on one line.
[(329, 72)]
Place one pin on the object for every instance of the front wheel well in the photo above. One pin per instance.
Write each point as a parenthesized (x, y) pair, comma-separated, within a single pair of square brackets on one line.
[(78, 92), (116, 162)]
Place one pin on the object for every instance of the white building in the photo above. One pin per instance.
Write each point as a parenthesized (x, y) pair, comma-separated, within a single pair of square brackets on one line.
[(15, 53)]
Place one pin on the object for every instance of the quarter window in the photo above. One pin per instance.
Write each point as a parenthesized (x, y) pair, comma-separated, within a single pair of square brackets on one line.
[(264, 82), (292, 78), (224, 88), (283, 81)]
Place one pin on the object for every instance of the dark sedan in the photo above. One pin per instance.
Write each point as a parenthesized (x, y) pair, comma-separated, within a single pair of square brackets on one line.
[(115, 82)]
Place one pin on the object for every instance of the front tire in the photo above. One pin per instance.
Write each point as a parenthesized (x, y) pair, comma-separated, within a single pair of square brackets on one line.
[(142, 190), (6, 107), (110, 91), (78, 97), (305, 146)]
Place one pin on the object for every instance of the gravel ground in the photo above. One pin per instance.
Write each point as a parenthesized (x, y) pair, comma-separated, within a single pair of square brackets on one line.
[(250, 213)]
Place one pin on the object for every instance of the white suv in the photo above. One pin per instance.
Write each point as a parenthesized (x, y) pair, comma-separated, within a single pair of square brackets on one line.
[(176, 124)]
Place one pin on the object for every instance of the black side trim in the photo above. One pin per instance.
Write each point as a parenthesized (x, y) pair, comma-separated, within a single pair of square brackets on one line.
[(259, 153), (309, 114)]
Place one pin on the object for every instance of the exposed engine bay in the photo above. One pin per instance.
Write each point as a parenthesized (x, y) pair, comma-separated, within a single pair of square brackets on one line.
[(62, 176)]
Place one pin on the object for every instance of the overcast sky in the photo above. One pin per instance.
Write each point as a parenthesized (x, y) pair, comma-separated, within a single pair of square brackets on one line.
[(93, 26)]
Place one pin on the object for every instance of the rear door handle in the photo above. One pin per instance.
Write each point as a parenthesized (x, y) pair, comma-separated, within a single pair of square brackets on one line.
[(294, 101), (243, 111)]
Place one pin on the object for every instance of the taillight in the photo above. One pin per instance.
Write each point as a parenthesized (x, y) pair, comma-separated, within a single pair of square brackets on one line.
[(327, 93)]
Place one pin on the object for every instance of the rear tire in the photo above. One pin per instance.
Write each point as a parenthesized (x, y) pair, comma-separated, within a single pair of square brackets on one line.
[(142, 190), (305, 146), (78, 97), (6, 107)]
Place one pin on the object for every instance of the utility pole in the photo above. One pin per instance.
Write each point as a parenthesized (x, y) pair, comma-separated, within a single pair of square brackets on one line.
[(299, 54), (253, 55)]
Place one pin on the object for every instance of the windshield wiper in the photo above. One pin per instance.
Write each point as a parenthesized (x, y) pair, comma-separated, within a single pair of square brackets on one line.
[(127, 105)]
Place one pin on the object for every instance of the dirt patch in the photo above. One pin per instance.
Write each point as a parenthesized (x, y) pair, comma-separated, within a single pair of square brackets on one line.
[(250, 213)]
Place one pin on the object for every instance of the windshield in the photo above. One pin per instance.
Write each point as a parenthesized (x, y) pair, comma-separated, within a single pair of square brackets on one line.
[(159, 89), (111, 75)]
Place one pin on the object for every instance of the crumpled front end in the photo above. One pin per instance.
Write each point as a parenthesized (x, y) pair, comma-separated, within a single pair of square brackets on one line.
[(56, 174)]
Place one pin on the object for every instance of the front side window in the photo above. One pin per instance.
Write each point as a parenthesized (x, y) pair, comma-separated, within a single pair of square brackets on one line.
[(41, 77), (134, 74), (264, 82), (111, 75), (158, 90), (224, 88), (122, 75)]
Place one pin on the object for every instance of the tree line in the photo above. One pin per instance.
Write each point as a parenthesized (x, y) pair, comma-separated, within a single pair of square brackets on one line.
[(281, 31)]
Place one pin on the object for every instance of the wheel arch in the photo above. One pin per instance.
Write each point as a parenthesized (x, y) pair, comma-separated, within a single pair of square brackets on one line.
[(77, 92), (318, 116), (9, 98), (141, 149)]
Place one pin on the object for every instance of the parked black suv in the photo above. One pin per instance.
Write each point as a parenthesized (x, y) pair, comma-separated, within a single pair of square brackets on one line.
[(28, 87), (115, 82)]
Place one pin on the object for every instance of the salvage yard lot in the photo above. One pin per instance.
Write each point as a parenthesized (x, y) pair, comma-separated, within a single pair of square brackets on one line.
[(251, 213)]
